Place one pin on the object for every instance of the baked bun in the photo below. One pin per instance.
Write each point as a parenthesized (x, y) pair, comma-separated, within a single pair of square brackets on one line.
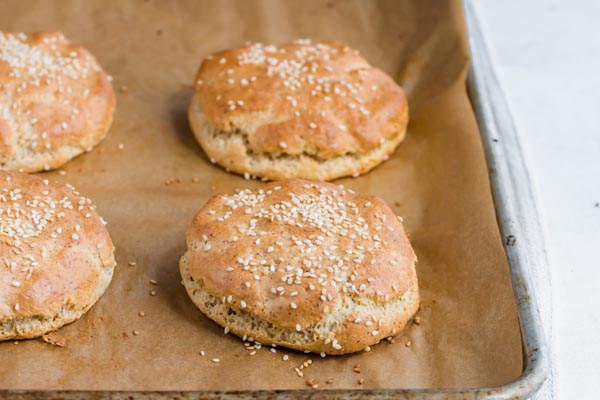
[(302, 110), (306, 265), (55, 101), (56, 255)]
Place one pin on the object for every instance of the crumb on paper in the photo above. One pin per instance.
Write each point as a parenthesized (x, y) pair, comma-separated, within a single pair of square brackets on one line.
[(132, 263), (312, 383), (54, 339), (302, 366)]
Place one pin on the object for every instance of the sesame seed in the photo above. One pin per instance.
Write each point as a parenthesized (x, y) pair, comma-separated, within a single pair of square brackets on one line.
[(216, 360)]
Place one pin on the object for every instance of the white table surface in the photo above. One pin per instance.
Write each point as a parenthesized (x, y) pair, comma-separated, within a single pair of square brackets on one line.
[(547, 57)]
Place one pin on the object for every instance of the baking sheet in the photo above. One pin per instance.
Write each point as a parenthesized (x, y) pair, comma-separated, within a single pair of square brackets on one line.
[(437, 180)]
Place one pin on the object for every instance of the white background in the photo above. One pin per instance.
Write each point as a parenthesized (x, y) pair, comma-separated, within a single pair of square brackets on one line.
[(547, 57)]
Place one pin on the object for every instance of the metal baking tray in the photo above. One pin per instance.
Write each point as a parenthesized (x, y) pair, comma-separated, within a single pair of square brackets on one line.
[(519, 226)]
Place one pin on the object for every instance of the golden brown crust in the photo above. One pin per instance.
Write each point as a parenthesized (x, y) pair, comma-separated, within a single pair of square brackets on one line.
[(295, 254), (57, 256), (55, 101), (303, 99)]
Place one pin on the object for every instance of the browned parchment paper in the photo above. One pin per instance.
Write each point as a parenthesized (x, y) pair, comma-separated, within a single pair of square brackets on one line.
[(437, 180)]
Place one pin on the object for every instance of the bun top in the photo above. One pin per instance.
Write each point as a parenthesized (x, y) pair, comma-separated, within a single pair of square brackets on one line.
[(53, 94), (318, 99), (52, 243), (289, 252)]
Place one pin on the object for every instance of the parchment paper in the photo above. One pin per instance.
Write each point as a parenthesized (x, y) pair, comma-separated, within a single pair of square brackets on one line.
[(437, 180)]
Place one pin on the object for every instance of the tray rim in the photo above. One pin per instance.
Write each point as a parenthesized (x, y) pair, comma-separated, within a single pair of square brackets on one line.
[(517, 216)]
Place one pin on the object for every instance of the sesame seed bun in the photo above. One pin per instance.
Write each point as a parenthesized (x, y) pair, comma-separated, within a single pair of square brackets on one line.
[(55, 101), (306, 265), (302, 110), (56, 256)]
